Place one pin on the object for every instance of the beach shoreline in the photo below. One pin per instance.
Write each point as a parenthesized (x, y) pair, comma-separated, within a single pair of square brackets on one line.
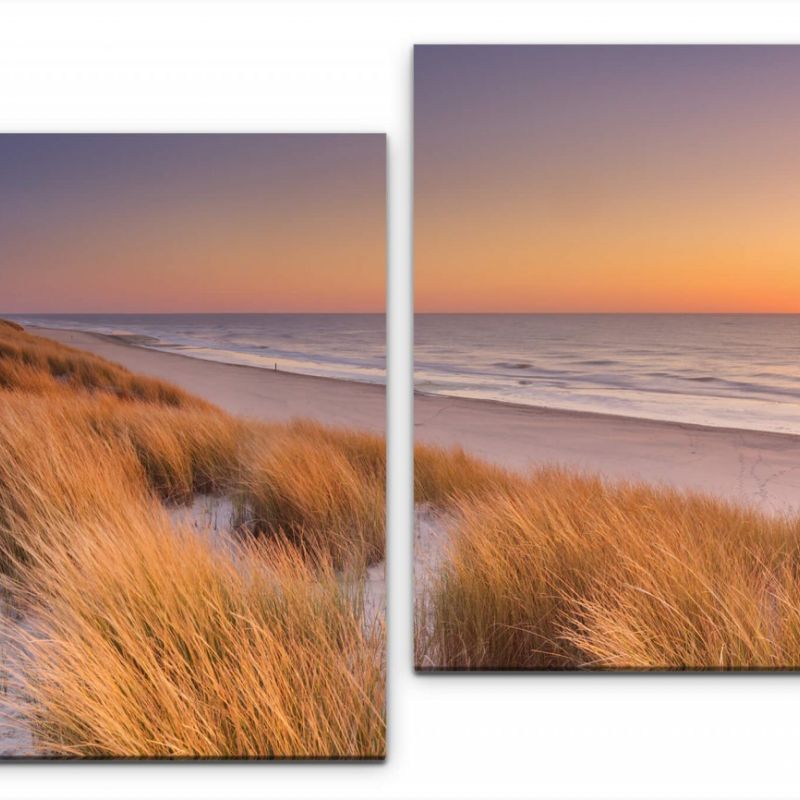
[(753, 468), (600, 415), (253, 392)]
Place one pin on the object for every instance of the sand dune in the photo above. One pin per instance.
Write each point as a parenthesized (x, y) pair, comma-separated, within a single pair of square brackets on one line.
[(119, 498)]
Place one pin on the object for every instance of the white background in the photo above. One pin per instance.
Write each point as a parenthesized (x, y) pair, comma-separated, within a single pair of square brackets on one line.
[(338, 66)]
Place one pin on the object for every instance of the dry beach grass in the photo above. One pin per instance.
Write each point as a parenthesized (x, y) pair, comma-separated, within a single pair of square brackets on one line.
[(137, 637), (556, 570)]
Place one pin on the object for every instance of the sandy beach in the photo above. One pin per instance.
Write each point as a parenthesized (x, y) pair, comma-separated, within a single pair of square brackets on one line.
[(762, 469), (247, 391)]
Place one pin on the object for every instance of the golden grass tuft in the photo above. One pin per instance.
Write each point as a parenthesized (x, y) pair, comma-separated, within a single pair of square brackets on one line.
[(324, 489), (145, 640), (182, 451), (442, 474), (52, 470), (563, 571)]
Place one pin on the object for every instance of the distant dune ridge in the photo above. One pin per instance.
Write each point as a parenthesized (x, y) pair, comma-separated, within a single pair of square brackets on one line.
[(132, 635)]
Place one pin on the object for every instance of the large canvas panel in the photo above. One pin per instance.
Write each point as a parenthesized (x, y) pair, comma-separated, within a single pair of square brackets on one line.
[(607, 326)]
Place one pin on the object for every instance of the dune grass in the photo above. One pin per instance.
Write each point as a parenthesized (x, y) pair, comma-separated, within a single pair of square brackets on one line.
[(34, 364), (138, 637), (323, 489), (441, 475), (145, 641), (556, 570)]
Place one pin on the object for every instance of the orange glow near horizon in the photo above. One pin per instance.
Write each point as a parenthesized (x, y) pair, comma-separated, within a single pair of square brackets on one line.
[(607, 179)]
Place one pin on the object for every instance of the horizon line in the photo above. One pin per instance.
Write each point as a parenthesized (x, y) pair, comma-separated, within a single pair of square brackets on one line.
[(171, 313), (610, 313), (416, 313)]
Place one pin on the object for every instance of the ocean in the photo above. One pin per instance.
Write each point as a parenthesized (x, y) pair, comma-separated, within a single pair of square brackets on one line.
[(726, 370), (345, 346)]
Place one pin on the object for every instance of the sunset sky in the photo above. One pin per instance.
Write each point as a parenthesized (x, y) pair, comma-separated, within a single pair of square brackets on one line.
[(600, 178), (192, 223)]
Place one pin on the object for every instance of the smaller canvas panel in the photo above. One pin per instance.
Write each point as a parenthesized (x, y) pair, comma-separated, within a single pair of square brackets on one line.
[(192, 459)]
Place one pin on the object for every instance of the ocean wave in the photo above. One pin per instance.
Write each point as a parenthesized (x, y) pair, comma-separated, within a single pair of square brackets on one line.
[(513, 364), (733, 371), (135, 339)]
